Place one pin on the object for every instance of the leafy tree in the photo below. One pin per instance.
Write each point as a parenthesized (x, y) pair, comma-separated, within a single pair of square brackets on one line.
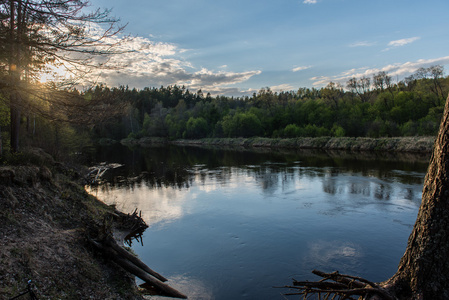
[(157, 126), (409, 128), (382, 81), (337, 131), (196, 128), (361, 87), (242, 125), (333, 93), (314, 131), (437, 73), (292, 130), (176, 120), (37, 33)]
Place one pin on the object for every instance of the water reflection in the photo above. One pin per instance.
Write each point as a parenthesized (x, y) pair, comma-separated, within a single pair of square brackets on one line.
[(230, 224), (157, 180), (194, 288), (158, 205), (168, 166), (333, 254)]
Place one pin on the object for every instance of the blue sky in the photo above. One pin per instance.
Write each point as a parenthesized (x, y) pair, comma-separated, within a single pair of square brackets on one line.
[(236, 47)]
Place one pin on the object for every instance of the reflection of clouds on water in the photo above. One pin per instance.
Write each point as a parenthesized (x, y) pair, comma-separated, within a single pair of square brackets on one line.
[(157, 205), (332, 254), (193, 288)]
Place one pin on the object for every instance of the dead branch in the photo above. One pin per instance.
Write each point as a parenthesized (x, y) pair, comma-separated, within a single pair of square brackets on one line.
[(124, 262), (109, 241), (338, 286)]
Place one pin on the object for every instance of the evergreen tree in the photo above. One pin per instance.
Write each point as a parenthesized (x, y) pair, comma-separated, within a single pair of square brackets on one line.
[(35, 34)]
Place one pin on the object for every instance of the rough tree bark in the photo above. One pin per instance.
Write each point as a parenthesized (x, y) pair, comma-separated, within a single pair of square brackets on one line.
[(423, 271)]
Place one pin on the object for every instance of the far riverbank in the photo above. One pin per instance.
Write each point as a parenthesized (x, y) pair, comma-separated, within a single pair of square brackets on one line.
[(390, 144)]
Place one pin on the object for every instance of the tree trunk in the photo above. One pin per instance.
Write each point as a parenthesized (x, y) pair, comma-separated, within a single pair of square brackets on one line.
[(1, 143), (423, 271), (15, 31), (15, 127)]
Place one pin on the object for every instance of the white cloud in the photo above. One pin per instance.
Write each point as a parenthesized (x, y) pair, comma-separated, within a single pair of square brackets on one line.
[(282, 88), (403, 42), (321, 80), (362, 44), (397, 70), (310, 1), (146, 63), (301, 68), (400, 43), (231, 91)]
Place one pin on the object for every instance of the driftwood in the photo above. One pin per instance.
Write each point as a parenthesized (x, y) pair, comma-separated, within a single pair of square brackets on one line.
[(135, 225), (96, 172), (134, 235), (338, 286), (133, 259), (131, 223), (134, 266)]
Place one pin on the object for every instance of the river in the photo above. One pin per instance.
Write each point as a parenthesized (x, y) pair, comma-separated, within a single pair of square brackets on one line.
[(233, 224)]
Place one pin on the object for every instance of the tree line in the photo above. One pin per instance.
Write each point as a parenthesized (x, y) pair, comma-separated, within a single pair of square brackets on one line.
[(370, 107)]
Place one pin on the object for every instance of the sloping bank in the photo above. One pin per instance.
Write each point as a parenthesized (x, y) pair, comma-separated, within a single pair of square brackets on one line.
[(391, 144), (46, 217)]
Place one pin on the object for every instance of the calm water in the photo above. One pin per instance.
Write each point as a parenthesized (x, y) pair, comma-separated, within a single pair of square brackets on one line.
[(233, 224)]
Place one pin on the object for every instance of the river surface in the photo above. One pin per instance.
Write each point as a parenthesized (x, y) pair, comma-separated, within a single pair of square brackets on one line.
[(234, 224)]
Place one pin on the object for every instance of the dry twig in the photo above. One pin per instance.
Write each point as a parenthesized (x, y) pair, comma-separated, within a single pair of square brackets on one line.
[(337, 286)]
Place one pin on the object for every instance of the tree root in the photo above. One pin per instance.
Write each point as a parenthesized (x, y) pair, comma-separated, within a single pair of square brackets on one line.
[(338, 286)]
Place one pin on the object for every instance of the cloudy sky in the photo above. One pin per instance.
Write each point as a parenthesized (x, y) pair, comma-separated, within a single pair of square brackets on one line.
[(236, 47)]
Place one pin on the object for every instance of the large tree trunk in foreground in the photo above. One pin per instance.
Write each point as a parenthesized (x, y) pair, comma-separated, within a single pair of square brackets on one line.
[(423, 271)]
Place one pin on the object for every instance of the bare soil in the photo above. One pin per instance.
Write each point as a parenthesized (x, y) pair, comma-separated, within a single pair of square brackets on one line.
[(45, 219)]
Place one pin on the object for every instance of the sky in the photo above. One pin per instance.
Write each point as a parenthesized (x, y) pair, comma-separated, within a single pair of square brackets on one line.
[(237, 47)]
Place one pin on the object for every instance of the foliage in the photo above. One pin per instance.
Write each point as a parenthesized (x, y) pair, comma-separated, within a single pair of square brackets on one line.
[(374, 107), (196, 128), (242, 125), (35, 38)]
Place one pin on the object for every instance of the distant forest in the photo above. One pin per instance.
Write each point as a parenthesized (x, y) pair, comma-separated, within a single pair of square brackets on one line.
[(370, 107), (364, 107)]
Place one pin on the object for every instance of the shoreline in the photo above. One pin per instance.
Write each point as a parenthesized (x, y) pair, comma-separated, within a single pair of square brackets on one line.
[(391, 144), (46, 221)]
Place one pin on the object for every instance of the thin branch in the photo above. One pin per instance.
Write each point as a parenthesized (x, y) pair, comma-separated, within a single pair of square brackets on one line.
[(336, 284)]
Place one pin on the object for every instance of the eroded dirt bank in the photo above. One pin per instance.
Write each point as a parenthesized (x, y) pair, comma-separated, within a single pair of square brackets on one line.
[(45, 218)]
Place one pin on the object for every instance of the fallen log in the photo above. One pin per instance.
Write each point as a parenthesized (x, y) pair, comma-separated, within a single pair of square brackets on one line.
[(136, 261), (135, 270)]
